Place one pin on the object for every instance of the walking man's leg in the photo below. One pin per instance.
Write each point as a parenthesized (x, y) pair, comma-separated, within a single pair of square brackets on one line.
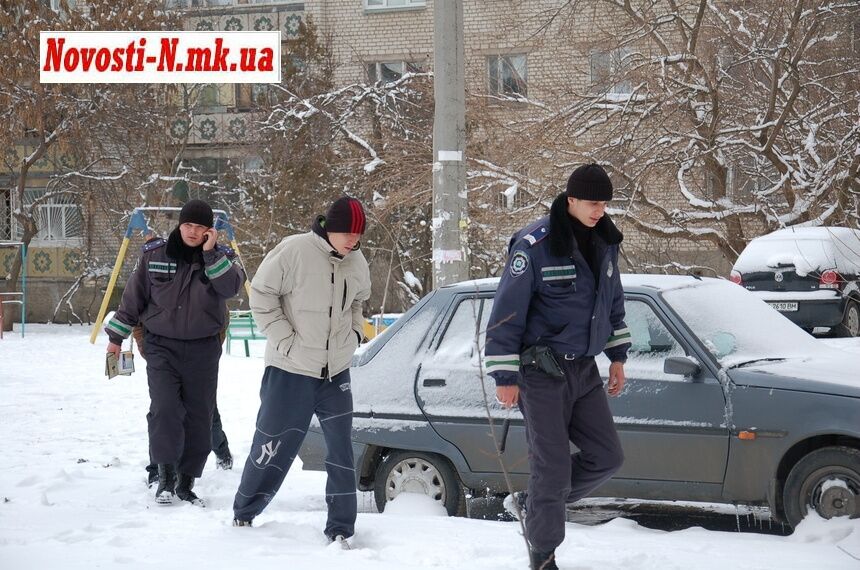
[(334, 411), (286, 407), (593, 431)]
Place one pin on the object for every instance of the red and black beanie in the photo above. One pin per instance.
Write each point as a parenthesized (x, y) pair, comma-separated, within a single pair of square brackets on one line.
[(346, 215)]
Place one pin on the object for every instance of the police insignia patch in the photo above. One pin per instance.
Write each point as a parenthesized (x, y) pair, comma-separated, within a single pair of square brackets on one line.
[(519, 264)]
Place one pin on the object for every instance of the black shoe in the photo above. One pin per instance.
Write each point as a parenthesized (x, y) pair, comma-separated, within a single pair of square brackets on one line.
[(164, 495), (224, 460), (515, 504), (184, 484), (240, 522), (543, 560)]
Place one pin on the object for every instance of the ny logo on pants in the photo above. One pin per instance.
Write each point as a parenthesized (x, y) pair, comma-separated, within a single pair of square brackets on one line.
[(267, 453)]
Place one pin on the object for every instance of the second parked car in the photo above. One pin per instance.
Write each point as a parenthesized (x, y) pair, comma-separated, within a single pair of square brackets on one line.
[(811, 275)]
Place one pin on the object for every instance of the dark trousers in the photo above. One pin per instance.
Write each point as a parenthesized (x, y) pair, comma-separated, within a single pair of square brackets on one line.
[(220, 445), (183, 380), (287, 402), (558, 412)]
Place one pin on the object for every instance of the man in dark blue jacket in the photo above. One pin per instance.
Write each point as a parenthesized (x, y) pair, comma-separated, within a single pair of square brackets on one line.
[(560, 303), (178, 292)]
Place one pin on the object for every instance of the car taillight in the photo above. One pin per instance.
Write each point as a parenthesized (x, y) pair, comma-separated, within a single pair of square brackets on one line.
[(829, 280), (736, 278)]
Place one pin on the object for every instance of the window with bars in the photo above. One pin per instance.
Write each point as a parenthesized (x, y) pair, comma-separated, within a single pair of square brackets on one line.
[(59, 217), (388, 71), (5, 214), (508, 75)]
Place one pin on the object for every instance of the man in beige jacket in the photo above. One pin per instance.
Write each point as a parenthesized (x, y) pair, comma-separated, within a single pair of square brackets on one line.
[(306, 298)]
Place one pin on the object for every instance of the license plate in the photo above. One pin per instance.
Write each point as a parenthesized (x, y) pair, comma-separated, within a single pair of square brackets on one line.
[(784, 307)]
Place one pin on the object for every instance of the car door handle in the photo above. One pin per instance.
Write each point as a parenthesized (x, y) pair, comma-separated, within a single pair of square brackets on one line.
[(433, 382)]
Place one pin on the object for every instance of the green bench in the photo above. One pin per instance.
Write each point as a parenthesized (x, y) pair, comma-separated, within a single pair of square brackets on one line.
[(242, 327)]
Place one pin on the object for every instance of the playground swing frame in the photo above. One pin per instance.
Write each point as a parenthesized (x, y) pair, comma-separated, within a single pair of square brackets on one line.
[(22, 293)]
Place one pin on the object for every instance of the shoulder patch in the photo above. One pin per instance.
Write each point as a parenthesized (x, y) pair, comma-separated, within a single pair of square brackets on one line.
[(519, 263), (154, 243), (536, 235)]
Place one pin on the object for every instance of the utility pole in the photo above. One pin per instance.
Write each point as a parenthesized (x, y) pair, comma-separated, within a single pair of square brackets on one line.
[(450, 211)]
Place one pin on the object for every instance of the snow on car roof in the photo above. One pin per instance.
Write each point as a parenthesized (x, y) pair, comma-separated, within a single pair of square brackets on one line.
[(807, 249)]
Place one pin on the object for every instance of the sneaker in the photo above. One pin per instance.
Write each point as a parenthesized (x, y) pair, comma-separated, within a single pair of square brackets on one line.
[(240, 522), (515, 504), (340, 540), (184, 484), (224, 461), (542, 560)]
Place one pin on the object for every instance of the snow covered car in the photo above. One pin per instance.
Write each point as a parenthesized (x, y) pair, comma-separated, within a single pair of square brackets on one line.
[(726, 401), (811, 275)]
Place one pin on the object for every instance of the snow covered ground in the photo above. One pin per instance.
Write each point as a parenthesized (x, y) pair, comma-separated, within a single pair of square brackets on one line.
[(72, 493)]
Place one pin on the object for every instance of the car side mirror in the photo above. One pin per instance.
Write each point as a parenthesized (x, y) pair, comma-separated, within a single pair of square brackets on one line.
[(682, 366)]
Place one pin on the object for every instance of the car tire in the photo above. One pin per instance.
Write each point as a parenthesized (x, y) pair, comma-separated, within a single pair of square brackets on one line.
[(417, 471), (850, 325), (826, 481)]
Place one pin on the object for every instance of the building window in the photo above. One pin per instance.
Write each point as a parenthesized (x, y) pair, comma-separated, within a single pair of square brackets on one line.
[(392, 4), (59, 217), (607, 72), (210, 96), (5, 214), (508, 75), (254, 96), (388, 71)]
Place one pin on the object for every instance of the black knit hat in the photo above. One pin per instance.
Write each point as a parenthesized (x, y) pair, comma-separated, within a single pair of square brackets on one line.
[(196, 212), (590, 182), (346, 216)]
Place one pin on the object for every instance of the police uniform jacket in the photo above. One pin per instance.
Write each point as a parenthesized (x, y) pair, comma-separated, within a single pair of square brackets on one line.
[(546, 300), (176, 299)]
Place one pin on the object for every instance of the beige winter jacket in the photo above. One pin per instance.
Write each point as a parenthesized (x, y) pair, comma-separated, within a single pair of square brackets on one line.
[(307, 302)]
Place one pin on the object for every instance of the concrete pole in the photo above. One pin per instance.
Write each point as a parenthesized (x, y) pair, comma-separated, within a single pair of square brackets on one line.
[(450, 211)]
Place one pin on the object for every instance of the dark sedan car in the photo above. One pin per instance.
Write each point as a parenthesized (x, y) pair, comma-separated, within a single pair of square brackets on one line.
[(811, 275), (726, 401)]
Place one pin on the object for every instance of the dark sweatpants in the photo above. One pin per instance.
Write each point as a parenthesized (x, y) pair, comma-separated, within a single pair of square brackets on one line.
[(287, 402), (183, 380), (557, 412)]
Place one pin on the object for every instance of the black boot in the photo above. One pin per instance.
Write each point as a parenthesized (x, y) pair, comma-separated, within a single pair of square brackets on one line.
[(183, 490), (151, 475), (166, 482), (543, 560)]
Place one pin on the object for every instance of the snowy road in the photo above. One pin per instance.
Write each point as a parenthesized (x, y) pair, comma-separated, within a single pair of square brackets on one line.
[(72, 494)]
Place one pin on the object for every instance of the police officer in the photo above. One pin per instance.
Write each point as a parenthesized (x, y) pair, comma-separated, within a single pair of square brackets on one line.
[(560, 303), (178, 292)]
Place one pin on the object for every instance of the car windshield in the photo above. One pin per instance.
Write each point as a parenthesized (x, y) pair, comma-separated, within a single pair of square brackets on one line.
[(736, 326)]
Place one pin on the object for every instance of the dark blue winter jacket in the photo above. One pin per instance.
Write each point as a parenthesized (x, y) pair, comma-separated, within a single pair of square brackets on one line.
[(543, 299)]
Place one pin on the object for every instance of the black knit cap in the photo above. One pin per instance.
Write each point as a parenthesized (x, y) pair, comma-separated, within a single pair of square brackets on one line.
[(196, 212), (346, 215), (590, 182)]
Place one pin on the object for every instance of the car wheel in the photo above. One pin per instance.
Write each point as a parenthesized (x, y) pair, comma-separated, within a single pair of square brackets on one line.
[(418, 472), (826, 481), (850, 325)]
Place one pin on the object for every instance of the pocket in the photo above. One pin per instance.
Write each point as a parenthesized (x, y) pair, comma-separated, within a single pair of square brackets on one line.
[(559, 289), (286, 345)]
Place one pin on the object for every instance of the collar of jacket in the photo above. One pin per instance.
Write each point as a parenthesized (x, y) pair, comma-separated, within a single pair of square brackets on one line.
[(608, 232)]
